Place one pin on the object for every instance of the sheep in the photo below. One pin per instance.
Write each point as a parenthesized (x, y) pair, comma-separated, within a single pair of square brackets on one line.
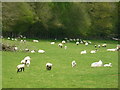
[(12, 38), (73, 63), (41, 51), (20, 67), (33, 51), (81, 42), (23, 61), (83, 52), (93, 51), (89, 42), (77, 43), (95, 46), (99, 46), (22, 41), (52, 43), (97, 64), (63, 42), (8, 38), (48, 66), (15, 39), (104, 45), (65, 47), (111, 49), (35, 41), (86, 44), (77, 39), (60, 45), (15, 48), (108, 65), (27, 50)]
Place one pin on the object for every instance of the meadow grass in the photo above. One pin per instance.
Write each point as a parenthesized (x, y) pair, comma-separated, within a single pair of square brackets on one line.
[(62, 74)]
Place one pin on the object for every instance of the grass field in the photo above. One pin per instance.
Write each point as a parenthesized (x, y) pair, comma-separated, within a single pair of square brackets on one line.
[(62, 74)]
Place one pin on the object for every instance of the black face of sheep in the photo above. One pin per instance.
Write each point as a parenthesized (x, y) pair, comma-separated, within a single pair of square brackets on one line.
[(20, 69), (48, 67)]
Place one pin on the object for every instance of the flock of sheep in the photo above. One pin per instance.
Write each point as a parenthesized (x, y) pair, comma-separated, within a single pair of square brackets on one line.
[(26, 60)]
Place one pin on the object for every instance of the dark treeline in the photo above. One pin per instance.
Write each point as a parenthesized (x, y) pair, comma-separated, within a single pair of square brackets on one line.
[(59, 20)]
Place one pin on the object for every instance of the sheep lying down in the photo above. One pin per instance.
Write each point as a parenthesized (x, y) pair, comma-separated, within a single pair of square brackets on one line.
[(20, 67), (48, 66)]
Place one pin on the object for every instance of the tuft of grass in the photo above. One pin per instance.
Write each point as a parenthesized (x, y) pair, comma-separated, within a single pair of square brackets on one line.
[(62, 74)]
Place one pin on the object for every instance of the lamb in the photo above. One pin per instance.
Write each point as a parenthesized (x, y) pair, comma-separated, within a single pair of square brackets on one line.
[(97, 64), (111, 49), (41, 51), (60, 45), (108, 65), (52, 43), (48, 66), (73, 63), (8, 38), (35, 41), (20, 67), (65, 47), (77, 43), (83, 52), (63, 42)]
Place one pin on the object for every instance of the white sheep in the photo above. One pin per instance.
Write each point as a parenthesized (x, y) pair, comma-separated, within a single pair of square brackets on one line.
[(12, 38), (97, 64), (65, 47), (15, 39), (99, 46), (8, 38), (73, 63), (15, 48), (86, 44), (27, 50), (63, 42), (52, 43), (93, 51), (108, 65), (20, 67), (104, 45), (60, 45), (33, 51), (111, 49), (49, 66), (35, 41), (23, 61), (83, 52), (41, 51), (81, 42), (77, 43)]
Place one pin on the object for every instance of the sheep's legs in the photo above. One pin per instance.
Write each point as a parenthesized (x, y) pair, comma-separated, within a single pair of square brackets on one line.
[(17, 70)]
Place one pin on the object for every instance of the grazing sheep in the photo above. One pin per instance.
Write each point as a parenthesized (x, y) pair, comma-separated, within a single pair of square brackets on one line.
[(73, 63), (93, 51), (60, 45), (52, 43), (63, 42), (108, 65), (15, 48), (95, 46), (35, 41), (111, 49), (27, 50), (33, 51), (8, 38), (20, 67), (83, 52), (97, 64), (86, 44), (99, 46), (41, 51), (65, 47), (77, 43), (48, 66), (104, 45)]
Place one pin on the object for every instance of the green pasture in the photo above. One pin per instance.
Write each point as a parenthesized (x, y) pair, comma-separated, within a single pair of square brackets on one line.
[(62, 74)]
